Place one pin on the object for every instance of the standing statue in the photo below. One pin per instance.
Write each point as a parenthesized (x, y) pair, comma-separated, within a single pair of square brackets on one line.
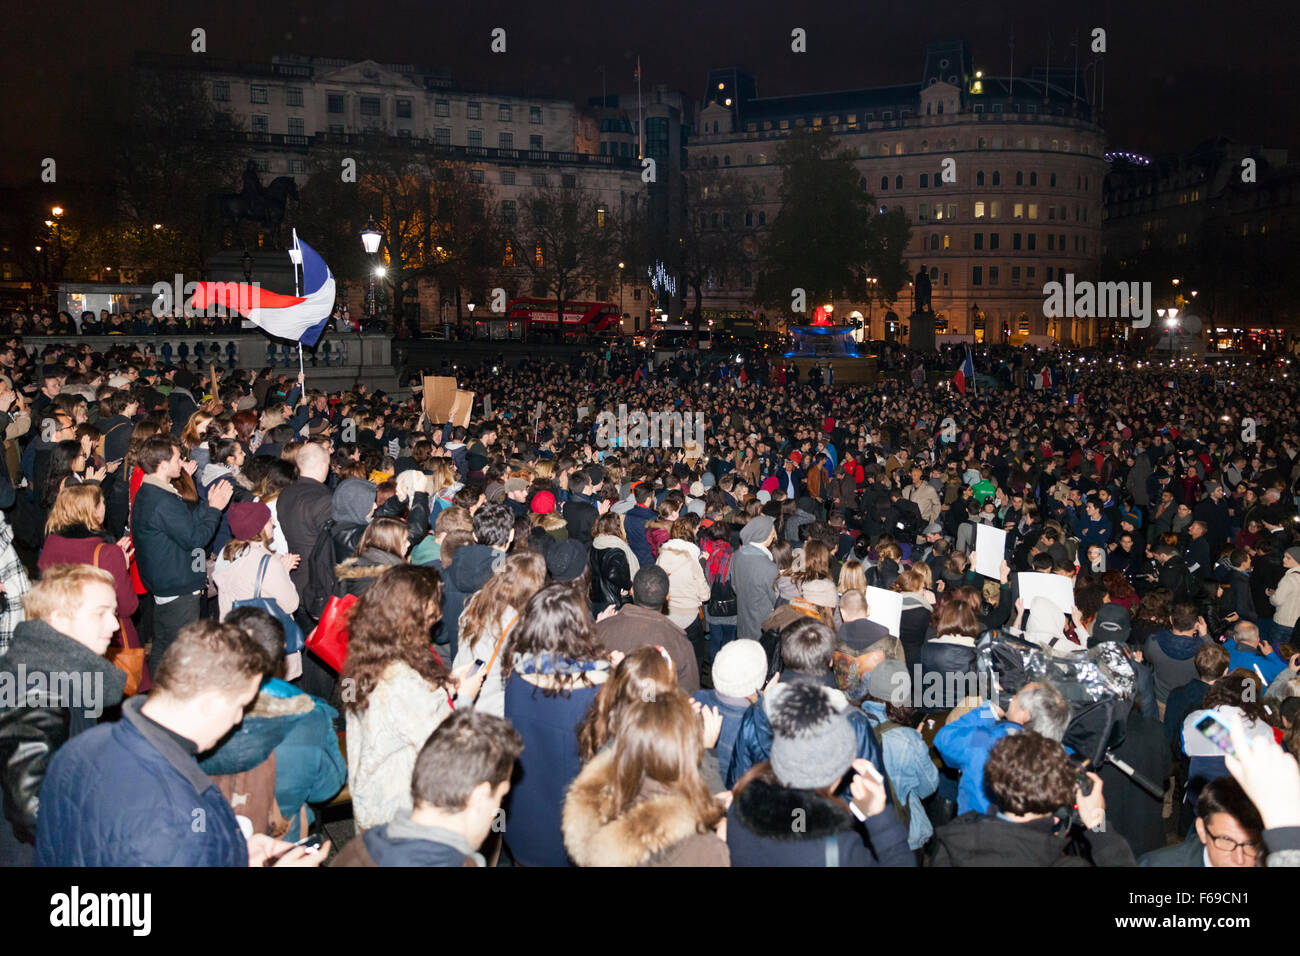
[(922, 287), (264, 206)]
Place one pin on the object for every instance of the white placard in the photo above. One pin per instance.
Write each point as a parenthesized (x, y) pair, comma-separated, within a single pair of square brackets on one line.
[(990, 549), (582, 412), (885, 608), (487, 406), (1057, 588)]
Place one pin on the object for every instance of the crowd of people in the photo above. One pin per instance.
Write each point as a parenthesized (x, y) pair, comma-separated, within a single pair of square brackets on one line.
[(568, 647)]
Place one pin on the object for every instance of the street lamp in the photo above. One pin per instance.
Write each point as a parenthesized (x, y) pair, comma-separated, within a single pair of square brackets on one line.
[(370, 237), (472, 328), (621, 266)]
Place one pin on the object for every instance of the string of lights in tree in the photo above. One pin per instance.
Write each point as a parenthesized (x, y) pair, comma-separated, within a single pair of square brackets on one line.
[(661, 280)]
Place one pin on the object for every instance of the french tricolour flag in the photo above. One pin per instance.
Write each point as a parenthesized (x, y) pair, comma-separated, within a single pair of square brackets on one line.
[(965, 373), (301, 318)]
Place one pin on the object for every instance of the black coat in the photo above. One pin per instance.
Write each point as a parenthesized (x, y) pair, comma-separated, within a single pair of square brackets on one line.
[(1130, 811), (611, 578), (30, 734), (977, 839)]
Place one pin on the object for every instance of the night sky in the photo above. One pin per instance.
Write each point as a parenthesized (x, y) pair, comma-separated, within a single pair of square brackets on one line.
[(1176, 72)]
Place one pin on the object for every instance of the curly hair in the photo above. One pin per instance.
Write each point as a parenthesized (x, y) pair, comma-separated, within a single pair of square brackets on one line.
[(1028, 773), (390, 623)]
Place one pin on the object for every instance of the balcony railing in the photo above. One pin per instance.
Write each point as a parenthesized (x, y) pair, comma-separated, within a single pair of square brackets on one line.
[(299, 142)]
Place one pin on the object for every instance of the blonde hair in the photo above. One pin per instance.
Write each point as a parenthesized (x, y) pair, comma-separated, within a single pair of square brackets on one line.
[(75, 505), (61, 588), (852, 578)]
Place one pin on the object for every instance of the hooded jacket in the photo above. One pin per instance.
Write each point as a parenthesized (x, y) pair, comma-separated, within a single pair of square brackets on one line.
[(299, 729), (660, 829), (759, 831), (470, 568), (1172, 658), (687, 586), (613, 566), (355, 575)]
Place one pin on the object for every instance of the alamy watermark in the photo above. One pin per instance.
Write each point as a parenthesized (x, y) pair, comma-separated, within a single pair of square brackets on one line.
[(76, 690), (640, 429), (217, 300), (1098, 300)]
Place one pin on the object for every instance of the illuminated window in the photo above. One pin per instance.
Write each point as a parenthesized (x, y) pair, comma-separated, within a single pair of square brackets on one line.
[(979, 210), (508, 260), (1033, 210), (1018, 210), (995, 209), (537, 254), (947, 243)]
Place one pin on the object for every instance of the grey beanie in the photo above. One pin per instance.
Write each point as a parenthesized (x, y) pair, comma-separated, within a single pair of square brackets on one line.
[(757, 530), (707, 480), (890, 682), (1295, 553), (813, 742), (353, 499)]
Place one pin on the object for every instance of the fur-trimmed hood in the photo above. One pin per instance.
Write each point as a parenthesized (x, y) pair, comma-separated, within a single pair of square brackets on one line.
[(650, 827), (766, 809), (376, 562)]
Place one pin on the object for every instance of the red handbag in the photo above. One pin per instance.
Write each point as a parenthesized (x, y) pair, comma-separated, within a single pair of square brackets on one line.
[(329, 639)]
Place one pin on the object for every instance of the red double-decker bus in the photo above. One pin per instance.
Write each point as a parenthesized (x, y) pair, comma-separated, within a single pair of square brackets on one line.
[(581, 319)]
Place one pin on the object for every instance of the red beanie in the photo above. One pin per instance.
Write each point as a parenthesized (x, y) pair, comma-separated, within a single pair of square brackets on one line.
[(543, 503)]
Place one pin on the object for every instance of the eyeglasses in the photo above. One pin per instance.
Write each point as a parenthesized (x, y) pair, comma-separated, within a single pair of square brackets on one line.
[(1228, 845)]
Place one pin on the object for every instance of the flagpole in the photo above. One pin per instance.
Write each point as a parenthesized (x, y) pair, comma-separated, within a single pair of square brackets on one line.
[(297, 291), (640, 120)]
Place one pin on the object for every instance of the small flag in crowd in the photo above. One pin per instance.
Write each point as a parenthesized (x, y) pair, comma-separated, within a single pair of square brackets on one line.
[(965, 373)]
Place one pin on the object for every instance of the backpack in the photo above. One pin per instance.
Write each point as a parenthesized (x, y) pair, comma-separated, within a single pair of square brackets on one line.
[(722, 596), (900, 805), (251, 794), (321, 582)]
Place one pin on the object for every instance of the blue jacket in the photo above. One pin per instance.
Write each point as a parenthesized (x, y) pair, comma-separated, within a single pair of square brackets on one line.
[(1092, 532), (754, 736), (169, 537), (911, 771), (1270, 665), (299, 729), (549, 763), (127, 794), (733, 712), (634, 523), (964, 745)]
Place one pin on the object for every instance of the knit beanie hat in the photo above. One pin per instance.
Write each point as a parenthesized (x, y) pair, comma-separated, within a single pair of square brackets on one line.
[(247, 519), (813, 742), (740, 669), (890, 682), (757, 530), (1294, 553)]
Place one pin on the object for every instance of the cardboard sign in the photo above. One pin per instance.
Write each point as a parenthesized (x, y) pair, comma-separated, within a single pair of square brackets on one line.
[(885, 608), (1057, 588), (461, 406), (439, 394), (487, 407), (990, 549)]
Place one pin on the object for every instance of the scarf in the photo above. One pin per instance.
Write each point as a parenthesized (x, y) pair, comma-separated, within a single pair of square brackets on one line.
[(550, 664)]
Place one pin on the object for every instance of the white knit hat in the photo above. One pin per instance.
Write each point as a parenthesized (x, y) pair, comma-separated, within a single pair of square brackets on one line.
[(740, 668)]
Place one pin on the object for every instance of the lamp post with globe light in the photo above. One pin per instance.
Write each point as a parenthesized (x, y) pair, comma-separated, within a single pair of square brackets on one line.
[(370, 239)]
